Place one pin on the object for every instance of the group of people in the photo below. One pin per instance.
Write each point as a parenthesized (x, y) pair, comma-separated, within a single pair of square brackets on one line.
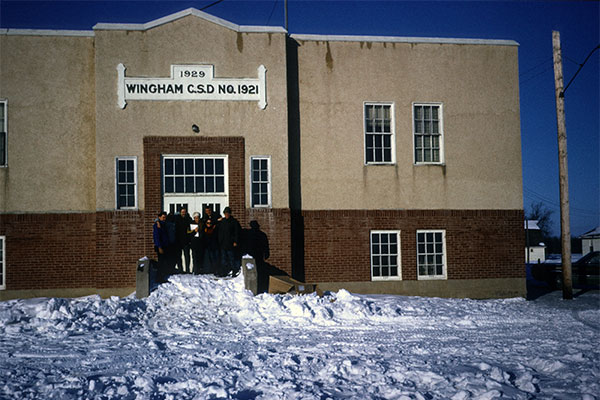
[(212, 240)]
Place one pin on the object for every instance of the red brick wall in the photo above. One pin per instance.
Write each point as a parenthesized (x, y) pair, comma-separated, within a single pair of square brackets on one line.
[(120, 242), (77, 250), (479, 243)]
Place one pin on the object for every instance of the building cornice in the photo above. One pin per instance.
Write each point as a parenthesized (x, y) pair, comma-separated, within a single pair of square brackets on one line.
[(400, 39)]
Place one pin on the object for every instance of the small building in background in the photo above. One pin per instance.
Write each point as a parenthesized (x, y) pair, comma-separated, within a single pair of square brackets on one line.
[(590, 241), (535, 249)]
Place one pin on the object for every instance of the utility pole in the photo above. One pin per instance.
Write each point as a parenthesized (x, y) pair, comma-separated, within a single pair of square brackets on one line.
[(285, 3), (565, 224)]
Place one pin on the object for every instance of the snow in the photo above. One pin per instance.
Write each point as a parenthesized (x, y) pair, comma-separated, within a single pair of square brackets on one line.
[(197, 337)]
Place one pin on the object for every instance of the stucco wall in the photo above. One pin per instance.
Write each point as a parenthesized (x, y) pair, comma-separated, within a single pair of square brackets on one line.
[(478, 87), (189, 40), (49, 84)]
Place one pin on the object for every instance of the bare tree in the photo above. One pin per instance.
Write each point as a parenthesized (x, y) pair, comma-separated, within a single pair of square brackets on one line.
[(538, 211)]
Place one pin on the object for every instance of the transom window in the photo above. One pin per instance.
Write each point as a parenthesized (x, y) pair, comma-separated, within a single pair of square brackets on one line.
[(379, 133), (126, 191), (431, 254), (261, 181), (194, 174), (3, 133), (2, 263), (385, 255), (428, 133)]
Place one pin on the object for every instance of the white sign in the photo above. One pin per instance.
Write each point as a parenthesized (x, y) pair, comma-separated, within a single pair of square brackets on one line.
[(192, 82)]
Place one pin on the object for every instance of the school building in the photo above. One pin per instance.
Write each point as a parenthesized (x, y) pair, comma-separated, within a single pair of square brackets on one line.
[(375, 164)]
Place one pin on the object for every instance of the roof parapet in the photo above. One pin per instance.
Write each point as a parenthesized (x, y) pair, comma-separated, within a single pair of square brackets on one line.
[(400, 39), (184, 13)]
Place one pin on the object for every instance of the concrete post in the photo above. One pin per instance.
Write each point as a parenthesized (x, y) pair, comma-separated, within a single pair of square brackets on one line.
[(142, 278), (250, 274)]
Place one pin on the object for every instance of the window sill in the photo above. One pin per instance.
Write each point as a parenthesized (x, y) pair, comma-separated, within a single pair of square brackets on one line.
[(392, 279), (430, 164), (379, 164), (432, 278)]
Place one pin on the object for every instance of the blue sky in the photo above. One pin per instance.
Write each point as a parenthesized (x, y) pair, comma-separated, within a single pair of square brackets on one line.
[(528, 22)]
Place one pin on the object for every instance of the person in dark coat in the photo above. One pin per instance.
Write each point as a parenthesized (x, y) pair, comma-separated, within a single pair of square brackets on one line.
[(210, 242), (162, 244), (210, 214), (182, 226), (196, 244), (229, 238)]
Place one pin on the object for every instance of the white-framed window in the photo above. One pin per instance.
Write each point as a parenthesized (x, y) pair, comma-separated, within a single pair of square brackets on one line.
[(260, 181), (431, 254), (126, 183), (385, 255), (379, 133), (194, 174), (428, 133), (3, 133), (2, 262)]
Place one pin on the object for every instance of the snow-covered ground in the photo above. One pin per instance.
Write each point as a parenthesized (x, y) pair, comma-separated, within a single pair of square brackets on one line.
[(200, 338)]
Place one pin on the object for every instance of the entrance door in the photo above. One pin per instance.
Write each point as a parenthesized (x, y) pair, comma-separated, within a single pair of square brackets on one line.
[(194, 181)]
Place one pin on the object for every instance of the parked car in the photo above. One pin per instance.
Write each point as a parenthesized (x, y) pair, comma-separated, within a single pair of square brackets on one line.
[(585, 272)]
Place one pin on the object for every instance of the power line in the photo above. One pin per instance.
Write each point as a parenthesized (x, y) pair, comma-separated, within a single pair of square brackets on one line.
[(562, 94), (546, 61), (574, 210), (210, 5), (272, 10)]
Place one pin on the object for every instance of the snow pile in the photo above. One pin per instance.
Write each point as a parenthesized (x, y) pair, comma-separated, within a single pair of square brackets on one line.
[(198, 337)]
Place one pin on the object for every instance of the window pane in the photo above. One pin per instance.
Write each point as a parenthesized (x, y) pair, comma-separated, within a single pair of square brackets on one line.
[(385, 271), (121, 165), (394, 271), (168, 166), (220, 181), (264, 176), (179, 184), (189, 184), (210, 184), (130, 177), (169, 185), (376, 260), (438, 236), (209, 166), (122, 177), (255, 164), (219, 166), (378, 155), (387, 155), (189, 166), (255, 187), (255, 176), (179, 166), (130, 190), (434, 112), (264, 200), (376, 271), (255, 199)]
